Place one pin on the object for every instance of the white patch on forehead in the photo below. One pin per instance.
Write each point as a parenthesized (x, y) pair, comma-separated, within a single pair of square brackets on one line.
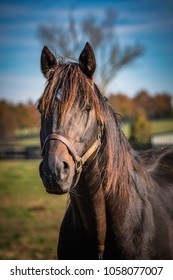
[(59, 93)]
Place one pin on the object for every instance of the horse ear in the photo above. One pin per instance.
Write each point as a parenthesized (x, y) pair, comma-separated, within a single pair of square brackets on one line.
[(48, 62), (87, 61)]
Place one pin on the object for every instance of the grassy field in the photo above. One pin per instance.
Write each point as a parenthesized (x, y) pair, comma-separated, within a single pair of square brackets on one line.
[(158, 126), (29, 217), (162, 126), (23, 139)]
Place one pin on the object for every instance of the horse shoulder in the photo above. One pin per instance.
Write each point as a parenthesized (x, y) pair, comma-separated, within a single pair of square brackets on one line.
[(159, 164)]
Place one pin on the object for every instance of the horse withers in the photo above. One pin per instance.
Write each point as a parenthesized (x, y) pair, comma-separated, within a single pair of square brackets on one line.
[(121, 202)]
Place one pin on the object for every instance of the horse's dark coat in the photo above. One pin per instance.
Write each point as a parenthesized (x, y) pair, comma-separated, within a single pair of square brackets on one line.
[(123, 202)]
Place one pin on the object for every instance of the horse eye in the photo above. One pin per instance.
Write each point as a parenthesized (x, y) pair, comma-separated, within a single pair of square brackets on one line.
[(59, 93), (88, 108)]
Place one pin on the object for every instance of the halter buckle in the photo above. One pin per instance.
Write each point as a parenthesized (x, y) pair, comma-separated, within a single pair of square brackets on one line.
[(78, 165)]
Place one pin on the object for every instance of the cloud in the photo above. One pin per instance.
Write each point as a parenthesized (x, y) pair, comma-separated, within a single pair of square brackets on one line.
[(9, 10), (17, 26), (19, 41), (165, 25), (35, 11), (144, 19)]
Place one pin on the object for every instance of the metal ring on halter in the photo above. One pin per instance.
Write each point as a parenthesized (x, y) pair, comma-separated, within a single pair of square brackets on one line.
[(78, 166)]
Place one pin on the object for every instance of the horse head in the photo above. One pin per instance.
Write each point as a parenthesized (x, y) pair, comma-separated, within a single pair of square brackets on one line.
[(71, 119)]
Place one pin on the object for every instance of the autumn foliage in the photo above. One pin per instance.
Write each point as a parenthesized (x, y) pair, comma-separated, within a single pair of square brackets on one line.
[(16, 116), (155, 107)]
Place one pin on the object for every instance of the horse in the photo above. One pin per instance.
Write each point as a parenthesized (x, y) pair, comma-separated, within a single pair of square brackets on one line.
[(121, 201)]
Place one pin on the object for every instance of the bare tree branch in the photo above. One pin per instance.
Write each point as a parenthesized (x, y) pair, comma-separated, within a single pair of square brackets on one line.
[(101, 33)]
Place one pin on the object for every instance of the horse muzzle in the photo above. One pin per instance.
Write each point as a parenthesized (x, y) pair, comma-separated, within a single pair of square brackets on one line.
[(57, 171), (55, 182), (61, 162)]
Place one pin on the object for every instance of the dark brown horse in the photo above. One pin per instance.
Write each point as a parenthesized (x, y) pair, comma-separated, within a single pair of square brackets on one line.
[(121, 203)]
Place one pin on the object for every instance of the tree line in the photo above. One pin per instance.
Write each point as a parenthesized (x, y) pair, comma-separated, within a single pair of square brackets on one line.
[(156, 106), (14, 117)]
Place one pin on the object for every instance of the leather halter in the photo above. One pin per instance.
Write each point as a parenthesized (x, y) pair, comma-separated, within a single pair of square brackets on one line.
[(79, 161)]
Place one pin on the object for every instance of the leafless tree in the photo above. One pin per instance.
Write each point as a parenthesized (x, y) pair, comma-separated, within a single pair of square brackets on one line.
[(101, 34)]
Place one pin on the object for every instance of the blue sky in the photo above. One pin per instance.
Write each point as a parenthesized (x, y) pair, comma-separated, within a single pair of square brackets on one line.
[(148, 22)]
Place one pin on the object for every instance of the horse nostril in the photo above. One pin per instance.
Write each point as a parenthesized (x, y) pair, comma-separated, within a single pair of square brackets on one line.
[(54, 170), (64, 170), (66, 166)]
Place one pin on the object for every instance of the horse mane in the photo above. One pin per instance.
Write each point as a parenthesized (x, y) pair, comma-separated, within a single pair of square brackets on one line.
[(116, 164)]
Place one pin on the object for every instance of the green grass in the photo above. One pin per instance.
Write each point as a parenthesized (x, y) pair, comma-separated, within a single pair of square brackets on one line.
[(27, 137), (26, 142), (162, 126), (29, 218), (24, 138)]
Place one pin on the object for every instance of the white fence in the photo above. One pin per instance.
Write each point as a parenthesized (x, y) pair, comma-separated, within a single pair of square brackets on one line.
[(162, 139)]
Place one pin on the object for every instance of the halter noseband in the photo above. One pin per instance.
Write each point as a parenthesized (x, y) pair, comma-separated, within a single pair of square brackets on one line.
[(79, 161)]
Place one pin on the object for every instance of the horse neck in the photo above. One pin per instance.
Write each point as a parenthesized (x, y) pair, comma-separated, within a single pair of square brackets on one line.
[(90, 214), (128, 190)]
